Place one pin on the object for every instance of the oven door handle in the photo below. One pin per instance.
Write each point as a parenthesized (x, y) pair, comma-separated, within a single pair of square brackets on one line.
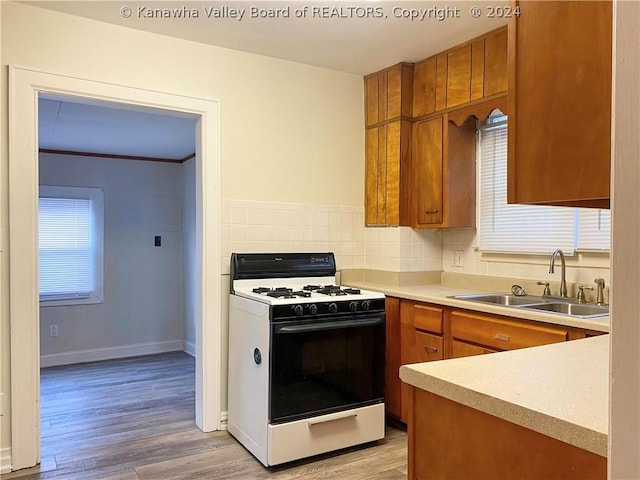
[(316, 327)]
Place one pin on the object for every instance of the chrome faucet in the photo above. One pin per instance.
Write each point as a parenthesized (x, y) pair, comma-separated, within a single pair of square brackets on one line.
[(600, 291), (563, 281)]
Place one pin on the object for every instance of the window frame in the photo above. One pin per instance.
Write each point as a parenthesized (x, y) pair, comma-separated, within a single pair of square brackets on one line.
[(581, 235), (96, 197)]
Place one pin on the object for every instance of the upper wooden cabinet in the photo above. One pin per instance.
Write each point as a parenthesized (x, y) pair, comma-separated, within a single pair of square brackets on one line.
[(388, 94), (560, 103), (438, 188), (387, 170), (443, 160), (464, 74)]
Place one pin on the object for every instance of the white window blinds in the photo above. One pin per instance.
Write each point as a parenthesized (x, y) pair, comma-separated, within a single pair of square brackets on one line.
[(65, 248), (527, 228)]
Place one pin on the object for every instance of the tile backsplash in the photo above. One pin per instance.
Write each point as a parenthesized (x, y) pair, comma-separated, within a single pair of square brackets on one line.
[(249, 226)]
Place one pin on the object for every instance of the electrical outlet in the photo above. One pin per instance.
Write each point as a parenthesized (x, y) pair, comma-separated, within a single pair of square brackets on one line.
[(53, 330), (457, 258)]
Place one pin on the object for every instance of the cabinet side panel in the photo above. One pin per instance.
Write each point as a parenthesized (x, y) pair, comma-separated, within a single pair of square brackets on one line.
[(392, 353), (405, 174), (460, 175)]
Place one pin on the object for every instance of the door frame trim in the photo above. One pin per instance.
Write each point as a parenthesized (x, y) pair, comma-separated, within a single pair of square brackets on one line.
[(25, 85)]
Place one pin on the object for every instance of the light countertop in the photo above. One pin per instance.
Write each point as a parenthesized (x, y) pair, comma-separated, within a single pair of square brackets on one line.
[(559, 390), (439, 294)]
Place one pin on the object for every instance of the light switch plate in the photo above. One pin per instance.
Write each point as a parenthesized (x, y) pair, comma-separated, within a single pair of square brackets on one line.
[(457, 258)]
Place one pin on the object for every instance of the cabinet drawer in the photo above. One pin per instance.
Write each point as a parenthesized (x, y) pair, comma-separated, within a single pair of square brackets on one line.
[(502, 334), (464, 349), (427, 318), (427, 347)]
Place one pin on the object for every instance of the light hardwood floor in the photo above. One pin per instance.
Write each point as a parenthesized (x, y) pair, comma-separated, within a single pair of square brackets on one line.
[(133, 419)]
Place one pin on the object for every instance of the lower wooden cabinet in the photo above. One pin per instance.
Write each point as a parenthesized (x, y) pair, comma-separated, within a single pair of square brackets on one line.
[(462, 442), (393, 384), (422, 332)]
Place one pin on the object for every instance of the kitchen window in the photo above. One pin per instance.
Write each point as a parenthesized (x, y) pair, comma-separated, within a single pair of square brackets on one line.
[(527, 229), (70, 245)]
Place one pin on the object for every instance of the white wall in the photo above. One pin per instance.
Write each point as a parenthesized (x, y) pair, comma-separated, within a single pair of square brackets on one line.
[(582, 268), (189, 251), (143, 296), (286, 128)]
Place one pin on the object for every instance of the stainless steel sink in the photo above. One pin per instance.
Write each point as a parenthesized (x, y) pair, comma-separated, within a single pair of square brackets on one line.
[(573, 309), (505, 299), (542, 304)]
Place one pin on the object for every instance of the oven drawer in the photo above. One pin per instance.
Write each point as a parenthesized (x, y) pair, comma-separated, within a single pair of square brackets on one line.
[(311, 436)]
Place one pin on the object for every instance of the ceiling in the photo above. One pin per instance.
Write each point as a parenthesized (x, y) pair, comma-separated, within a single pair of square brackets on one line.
[(77, 125), (335, 35)]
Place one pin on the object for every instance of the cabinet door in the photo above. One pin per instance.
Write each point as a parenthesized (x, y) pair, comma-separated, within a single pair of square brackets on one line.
[(459, 76), (392, 379), (495, 63), (427, 157), (424, 87), (560, 103), (387, 168), (464, 349), (388, 94)]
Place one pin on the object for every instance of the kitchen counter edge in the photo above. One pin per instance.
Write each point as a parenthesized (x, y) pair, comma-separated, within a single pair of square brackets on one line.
[(439, 295)]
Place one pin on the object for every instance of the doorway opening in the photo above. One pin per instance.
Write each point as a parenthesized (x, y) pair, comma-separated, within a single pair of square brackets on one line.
[(25, 88), (116, 274)]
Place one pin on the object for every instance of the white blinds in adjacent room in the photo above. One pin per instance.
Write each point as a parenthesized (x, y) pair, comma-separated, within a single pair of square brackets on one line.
[(65, 248), (527, 228)]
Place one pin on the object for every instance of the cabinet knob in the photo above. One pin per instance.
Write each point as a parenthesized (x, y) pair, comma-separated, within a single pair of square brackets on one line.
[(502, 337), (430, 349), (429, 212)]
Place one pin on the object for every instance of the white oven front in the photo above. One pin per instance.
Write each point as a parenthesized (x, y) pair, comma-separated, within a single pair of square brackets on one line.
[(301, 388)]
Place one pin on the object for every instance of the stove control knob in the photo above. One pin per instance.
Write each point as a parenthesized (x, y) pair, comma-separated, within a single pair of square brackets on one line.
[(333, 308), (313, 309), (298, 310), (353, 306), (366, 305)]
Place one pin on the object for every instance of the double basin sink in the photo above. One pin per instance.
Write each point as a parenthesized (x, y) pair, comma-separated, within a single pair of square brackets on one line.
[(561, 306)]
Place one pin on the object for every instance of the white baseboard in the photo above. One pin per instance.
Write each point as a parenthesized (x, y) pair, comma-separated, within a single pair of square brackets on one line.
[(83, 356), (5, 460), (189, 347)]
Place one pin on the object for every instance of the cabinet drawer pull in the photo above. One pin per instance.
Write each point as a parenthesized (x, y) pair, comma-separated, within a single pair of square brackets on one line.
[(430, 349), (429, 212), (502, 337)]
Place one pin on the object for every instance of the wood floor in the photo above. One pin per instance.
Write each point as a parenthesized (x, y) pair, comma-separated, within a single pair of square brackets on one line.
[(133, 419)]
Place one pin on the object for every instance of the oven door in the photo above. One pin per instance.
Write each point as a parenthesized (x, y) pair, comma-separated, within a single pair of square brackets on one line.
[(319, 367)]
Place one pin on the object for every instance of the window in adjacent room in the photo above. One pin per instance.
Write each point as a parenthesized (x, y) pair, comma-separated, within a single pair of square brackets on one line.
[(70, 245), (528, 229)]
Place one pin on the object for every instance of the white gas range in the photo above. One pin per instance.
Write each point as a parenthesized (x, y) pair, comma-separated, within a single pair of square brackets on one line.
[(306, 358)]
